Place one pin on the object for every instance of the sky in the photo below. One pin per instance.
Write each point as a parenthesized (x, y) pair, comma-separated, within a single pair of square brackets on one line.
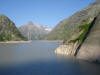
[(45, 12)]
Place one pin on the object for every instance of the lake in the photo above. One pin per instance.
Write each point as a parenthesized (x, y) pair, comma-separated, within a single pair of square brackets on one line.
[(38, 58)]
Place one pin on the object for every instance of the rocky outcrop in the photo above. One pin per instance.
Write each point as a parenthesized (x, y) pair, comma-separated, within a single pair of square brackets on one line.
[(68, 49), (8, 30)]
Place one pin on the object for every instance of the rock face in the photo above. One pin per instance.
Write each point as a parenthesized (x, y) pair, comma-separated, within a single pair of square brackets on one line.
[(66, 28), (68, 49), (90, 50), (89, 47), (84, 40), (8, 30), (34, 31)]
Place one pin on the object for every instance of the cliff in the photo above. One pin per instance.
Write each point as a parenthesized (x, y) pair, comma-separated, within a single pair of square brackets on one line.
[(84, 42), (86, 45), (8, 30), (90, 49)]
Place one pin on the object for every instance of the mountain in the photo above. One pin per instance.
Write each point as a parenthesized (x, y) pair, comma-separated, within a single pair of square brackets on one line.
[(84, 37), (68, 26), (34, 31), (8, 30)]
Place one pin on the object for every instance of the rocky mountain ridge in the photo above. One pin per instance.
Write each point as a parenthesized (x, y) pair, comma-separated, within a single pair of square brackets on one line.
[(34, 31)]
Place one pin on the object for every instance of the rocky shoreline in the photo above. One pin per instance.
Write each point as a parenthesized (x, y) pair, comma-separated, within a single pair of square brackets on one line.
[(68, 49)]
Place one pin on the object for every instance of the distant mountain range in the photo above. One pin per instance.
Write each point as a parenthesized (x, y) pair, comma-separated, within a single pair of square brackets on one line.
[(8, 30), (30, 31), (33, 31)]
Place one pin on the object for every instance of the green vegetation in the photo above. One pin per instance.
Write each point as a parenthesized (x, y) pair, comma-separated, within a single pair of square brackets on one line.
[(4, 37), (8, 37), (84, 29)]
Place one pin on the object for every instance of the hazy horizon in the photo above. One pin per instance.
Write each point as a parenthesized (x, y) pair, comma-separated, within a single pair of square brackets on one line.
[(45, 12)]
